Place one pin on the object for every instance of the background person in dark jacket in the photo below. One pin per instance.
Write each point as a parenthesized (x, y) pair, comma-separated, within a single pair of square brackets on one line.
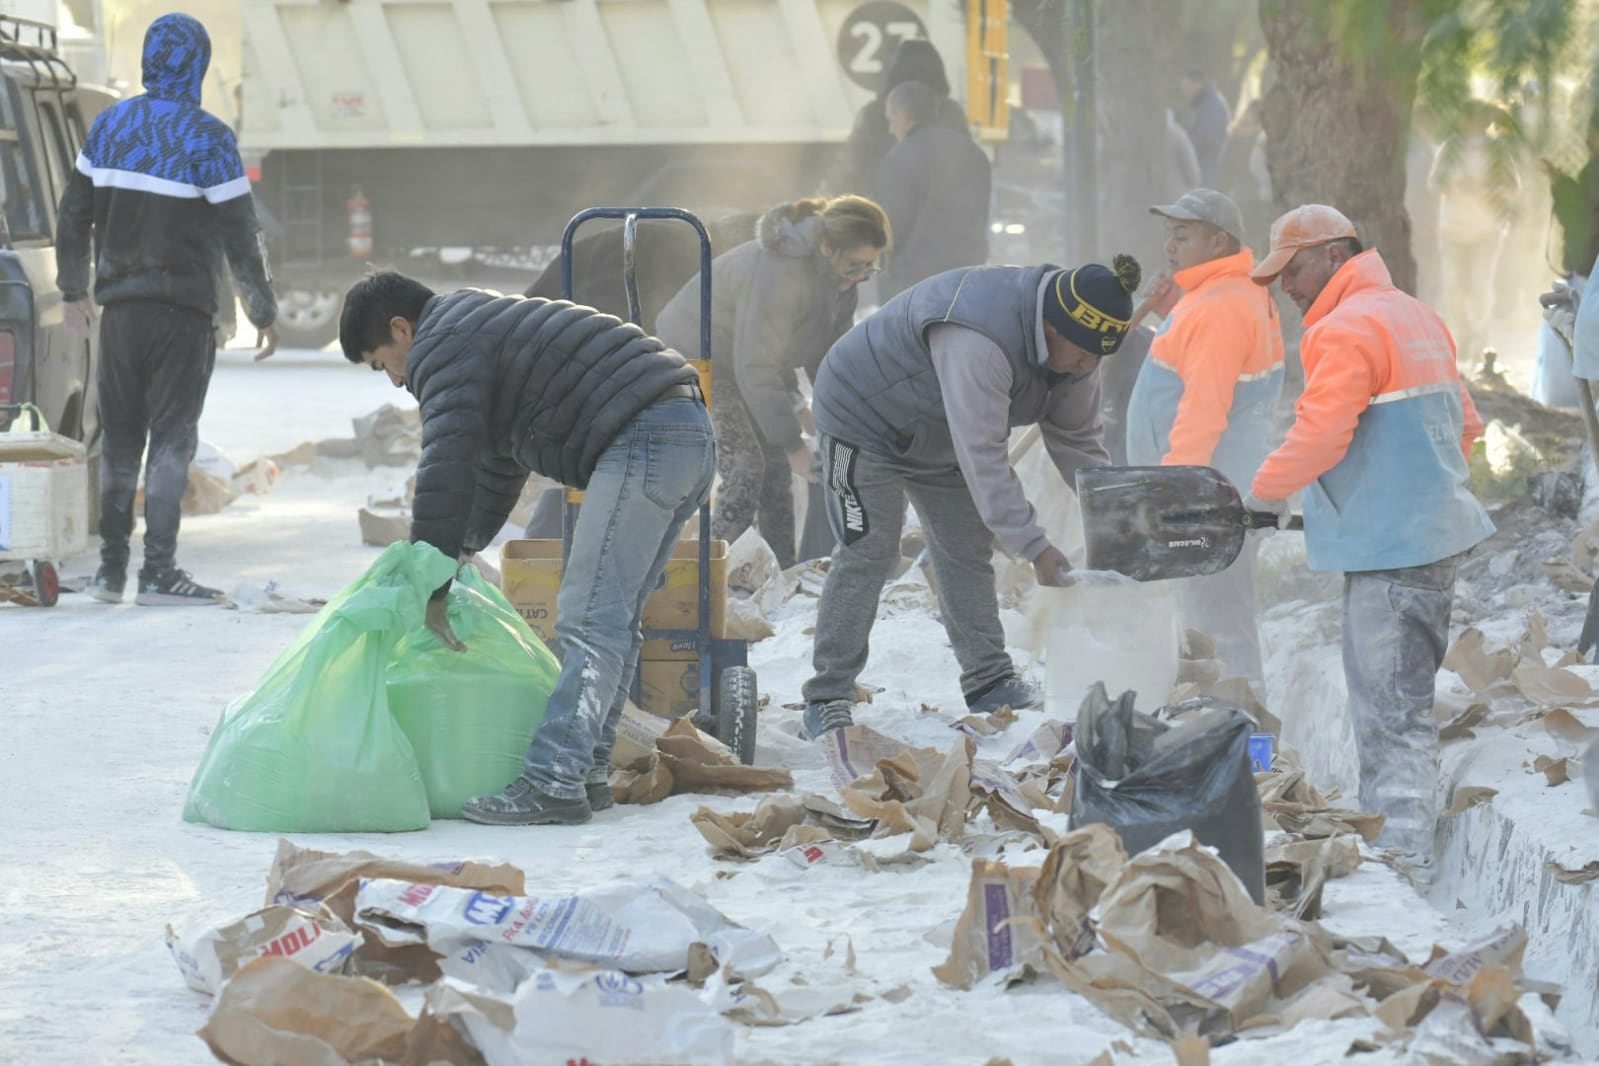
[(918, 401), (160, 187), (1206, 124), (509, 385), (778, 303), (935, 186), (854, 169)]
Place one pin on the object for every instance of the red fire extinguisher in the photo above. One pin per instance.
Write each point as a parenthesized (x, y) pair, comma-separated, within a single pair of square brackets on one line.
[(359, 210)]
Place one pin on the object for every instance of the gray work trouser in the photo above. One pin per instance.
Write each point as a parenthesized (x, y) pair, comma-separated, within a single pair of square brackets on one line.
[(1222, 606), (1396, 630), (866, 496)]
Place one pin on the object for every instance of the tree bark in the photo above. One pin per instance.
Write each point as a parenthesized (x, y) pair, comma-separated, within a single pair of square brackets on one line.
[(1132, 51), (1337, 119)]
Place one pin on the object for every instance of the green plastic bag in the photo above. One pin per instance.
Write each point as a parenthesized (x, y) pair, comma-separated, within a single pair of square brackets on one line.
[(470, 716), (314, 749)]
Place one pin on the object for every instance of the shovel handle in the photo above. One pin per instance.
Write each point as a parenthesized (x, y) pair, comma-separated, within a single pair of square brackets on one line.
[(1268, 520)]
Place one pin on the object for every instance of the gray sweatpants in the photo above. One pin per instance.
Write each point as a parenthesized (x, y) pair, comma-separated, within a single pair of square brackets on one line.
[(866, 496), (1222, 606), (1396, 630)]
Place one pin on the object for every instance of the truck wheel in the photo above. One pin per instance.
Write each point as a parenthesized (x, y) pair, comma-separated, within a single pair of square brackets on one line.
[(737, 701), (46, 584), (308, 318)]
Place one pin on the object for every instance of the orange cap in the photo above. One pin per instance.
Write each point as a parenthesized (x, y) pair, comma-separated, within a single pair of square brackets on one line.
[(1303, 227)]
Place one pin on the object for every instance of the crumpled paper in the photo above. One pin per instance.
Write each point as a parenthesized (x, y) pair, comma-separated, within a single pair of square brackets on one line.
[(314, 937)]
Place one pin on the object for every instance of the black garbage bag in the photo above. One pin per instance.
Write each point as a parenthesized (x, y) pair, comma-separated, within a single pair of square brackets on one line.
[(1148, 779)]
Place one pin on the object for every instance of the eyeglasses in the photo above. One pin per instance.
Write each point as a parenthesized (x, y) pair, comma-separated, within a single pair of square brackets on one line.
[(857, 272)]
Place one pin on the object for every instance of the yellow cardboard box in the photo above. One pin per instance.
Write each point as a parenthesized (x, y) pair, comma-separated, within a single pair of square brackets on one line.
[(669, 688), (530, 577)]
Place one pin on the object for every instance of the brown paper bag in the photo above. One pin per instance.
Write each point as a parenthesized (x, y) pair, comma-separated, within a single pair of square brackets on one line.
[(999, 929), (275, 1011)]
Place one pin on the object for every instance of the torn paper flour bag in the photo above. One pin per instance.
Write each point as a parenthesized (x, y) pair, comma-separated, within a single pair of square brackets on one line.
[(854, 751), (742, 835), (998, 930), (274, 1011), (1078, 869), (701, 763), (315, 939), (609, 1017), (484, 1022), (639, 926), (303, 875)]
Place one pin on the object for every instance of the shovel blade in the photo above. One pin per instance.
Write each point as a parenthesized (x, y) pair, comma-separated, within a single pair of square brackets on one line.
[(1154, 523)]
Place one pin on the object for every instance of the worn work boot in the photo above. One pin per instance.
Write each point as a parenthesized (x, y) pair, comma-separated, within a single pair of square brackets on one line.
[(825, 717), (600, 796), (174, 588), (108, 583), (1010, 692), (521, 803)]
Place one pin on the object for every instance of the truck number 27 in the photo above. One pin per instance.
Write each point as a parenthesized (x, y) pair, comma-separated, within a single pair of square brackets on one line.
[(869, 58)]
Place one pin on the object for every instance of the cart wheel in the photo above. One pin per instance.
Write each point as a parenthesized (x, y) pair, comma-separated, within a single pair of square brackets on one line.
[(736, 703), (46, 584)]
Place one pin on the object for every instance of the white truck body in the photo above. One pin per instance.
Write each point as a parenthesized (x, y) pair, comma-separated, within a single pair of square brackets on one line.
[(484, 73)]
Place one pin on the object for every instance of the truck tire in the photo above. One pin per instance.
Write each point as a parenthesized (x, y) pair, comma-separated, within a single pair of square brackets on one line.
[(737, 702), (308, 318)]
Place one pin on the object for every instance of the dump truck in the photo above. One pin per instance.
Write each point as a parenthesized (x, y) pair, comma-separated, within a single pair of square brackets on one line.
[(454, 140)]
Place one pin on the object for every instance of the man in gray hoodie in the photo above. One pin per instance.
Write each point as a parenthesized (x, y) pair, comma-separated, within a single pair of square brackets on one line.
[(918, 401)]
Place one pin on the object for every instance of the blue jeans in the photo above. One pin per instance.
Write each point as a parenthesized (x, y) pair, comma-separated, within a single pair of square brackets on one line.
[(650, 481)]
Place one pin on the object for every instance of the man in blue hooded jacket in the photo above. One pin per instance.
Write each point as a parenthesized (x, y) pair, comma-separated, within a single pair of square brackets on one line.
[(161, 189)]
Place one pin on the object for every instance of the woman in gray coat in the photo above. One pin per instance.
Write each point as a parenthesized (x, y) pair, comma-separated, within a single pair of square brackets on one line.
[(778, 304)]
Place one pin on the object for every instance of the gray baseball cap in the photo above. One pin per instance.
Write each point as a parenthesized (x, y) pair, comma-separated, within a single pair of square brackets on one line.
[(1205, 205)]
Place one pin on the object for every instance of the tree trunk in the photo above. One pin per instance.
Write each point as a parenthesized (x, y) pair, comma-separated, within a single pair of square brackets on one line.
[(1337, 119), (1136, 62)]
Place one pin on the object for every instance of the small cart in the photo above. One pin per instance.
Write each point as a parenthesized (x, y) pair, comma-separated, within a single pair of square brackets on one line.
[(44, 508), (728, 698)]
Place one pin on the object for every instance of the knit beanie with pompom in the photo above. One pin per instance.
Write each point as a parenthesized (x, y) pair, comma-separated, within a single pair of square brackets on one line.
[(1092, 305)]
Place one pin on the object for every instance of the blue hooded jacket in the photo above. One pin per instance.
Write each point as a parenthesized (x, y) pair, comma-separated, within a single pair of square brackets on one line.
[(161, 187)]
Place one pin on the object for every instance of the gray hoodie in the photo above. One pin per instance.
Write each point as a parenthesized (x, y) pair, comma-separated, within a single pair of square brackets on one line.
[(775, 308)]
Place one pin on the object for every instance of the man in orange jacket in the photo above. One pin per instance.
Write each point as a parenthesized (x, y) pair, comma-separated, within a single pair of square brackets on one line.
[(1207, 395), (1379, 446)]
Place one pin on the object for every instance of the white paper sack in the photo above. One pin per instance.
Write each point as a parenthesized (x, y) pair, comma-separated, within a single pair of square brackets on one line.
[(638, 926), (610, 1017), (209, 957)]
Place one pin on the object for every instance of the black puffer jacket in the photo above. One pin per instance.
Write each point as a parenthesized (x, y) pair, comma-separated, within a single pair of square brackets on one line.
[(509, 385)]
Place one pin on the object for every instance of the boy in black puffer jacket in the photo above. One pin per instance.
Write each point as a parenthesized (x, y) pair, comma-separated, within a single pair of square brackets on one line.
[(510, 385)]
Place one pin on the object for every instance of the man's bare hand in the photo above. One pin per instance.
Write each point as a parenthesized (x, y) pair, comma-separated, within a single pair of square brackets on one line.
[(267, 341), (80, 318), (1164, 296), (802, 463), (438, 622), (1052, 568)]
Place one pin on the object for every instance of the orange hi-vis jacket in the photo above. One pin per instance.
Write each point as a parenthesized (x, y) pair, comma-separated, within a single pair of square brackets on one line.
[(1207, 395), (1381, 433)]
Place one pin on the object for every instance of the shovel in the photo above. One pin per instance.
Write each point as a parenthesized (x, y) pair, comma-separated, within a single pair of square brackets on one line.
[(1153, 523)]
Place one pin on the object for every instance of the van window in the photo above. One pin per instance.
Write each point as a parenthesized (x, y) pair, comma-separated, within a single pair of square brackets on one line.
[(20, 198), (55, 148)]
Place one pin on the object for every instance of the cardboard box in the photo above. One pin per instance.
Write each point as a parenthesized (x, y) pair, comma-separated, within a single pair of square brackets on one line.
[(530, 577), (669, 688)]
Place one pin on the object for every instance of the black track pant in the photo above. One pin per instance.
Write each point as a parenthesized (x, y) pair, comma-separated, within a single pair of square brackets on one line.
[(155, 367)]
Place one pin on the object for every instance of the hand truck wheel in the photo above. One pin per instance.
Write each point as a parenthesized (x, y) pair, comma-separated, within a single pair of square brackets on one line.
[(46, 584)]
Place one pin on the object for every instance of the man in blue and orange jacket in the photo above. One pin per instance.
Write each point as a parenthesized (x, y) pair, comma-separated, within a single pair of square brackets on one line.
[(1379, 446), (1207, 395)]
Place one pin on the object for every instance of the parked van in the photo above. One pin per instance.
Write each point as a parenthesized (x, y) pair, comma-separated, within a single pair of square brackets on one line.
[(44, 115)]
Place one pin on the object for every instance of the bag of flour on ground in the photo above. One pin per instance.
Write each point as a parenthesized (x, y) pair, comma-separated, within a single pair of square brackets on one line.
[(470, 716), (313, 748), (1148, 779)]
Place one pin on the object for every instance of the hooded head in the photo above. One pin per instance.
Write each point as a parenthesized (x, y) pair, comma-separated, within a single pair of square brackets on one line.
[(177, 52), (915, 60)]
